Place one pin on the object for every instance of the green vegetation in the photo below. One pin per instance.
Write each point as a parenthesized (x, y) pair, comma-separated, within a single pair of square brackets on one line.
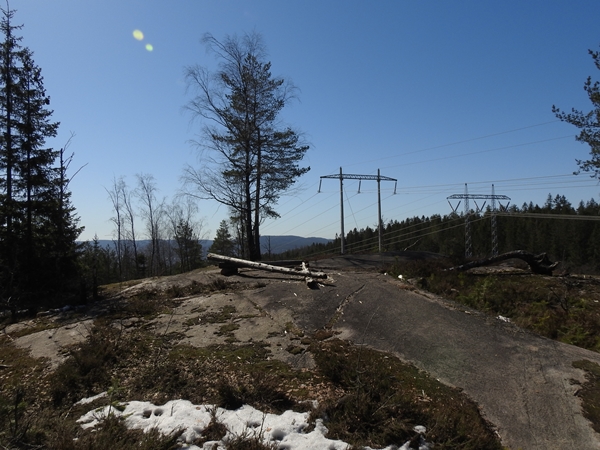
[(253, 159), (38, 254), (365, 397), (565, 308), (587, 122), (533, 228), (223, 243), (562, 308)]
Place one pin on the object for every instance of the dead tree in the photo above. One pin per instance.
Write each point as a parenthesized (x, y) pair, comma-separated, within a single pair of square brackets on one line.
[(236, 262), (539, 264)]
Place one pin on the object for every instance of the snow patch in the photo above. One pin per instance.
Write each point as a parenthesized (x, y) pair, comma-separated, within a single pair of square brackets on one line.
[(288, 430)]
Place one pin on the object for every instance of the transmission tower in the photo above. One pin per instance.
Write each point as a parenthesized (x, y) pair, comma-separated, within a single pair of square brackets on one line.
[(348, 176), (466, 197)]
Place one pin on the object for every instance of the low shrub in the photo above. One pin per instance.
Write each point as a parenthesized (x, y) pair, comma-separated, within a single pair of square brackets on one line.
[(260, 390), (385, 399), (112, 434), (87, 369)]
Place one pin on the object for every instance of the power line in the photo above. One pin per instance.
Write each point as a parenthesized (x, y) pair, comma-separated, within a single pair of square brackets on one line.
[(464, 141), (482, 151), (546, 182)]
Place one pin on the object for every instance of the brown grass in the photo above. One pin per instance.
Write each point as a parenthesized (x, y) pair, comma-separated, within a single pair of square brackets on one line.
[(368, 398)]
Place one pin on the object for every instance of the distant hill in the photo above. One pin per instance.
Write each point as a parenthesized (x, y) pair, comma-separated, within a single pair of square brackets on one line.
[(280, 244), (277, 244)]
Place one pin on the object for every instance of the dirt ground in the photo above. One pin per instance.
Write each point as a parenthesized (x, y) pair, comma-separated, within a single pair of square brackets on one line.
[(525, 385)]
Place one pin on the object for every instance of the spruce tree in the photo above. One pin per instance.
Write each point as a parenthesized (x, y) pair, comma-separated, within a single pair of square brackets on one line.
[(189, 248), (38, 226), (223, 243)]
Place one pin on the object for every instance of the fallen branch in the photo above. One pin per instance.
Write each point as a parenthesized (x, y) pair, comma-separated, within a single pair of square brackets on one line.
[(539, 264), (236, 262)]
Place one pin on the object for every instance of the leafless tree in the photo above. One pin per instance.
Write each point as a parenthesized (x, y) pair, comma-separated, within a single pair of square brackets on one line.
[(152, 213), (129, 222), (116, 197)]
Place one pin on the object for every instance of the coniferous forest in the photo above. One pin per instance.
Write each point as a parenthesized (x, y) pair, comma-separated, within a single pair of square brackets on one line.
[(566, 233), (38, 224)]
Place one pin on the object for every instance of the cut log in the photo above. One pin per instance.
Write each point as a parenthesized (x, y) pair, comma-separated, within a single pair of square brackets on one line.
[(236, 262), (285, 263), (539, 264)]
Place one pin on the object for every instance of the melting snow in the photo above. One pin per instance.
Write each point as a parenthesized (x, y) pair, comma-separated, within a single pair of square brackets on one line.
[(288, 430)]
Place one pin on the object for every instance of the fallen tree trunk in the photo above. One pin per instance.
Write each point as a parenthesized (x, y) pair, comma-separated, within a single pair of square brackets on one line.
[(539, 264), (236, 262)]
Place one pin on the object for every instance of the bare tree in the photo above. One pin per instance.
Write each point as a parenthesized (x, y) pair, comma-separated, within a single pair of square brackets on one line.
[(152, 212), (129, 222), (116, 197)]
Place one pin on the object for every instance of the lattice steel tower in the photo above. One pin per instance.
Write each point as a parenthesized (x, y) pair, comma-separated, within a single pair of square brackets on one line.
[(466, 196)]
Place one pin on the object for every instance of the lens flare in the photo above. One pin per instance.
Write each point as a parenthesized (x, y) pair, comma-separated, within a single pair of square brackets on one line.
[(149, 47), (137, 34)]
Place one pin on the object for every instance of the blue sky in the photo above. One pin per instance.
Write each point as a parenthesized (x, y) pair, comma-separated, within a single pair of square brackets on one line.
[(433, 93)]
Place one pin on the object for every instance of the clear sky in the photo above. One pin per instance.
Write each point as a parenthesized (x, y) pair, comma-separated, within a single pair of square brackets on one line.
[(433, 93)]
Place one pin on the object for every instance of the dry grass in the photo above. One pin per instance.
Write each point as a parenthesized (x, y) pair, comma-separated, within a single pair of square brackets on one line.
[(565, 308), (367, 397), (590, 392), (384, 399)]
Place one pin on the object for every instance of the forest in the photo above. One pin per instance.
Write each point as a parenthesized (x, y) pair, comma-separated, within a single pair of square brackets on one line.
[(566, 233)]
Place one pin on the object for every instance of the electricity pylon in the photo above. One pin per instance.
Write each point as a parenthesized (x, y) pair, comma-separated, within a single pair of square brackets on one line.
[(466, 197), (348, 176)]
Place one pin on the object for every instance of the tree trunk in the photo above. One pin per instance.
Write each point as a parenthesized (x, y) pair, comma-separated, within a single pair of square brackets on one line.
[(256, 234), (539, 264), (268, 267), (249, 229)]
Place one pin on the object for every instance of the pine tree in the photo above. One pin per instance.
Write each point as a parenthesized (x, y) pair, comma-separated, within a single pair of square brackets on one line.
[(257, 159), (38, 226), (11, 52), (587, 122)]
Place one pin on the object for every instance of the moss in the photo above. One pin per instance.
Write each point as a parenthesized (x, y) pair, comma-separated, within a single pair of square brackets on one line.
[(227, 329), (223, 315)]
